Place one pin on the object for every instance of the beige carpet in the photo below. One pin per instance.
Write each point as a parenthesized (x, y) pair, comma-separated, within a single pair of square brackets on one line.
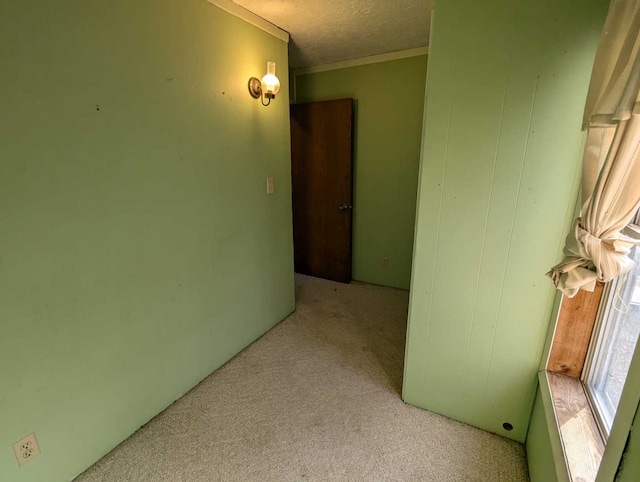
[(316, 398)]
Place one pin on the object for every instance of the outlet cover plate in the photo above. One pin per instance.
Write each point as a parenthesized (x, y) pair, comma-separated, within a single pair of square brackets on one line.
[(26, 449)]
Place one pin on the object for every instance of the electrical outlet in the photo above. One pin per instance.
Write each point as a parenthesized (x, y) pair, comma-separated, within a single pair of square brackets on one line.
[(270, 186), (26, 449), (385, 262)]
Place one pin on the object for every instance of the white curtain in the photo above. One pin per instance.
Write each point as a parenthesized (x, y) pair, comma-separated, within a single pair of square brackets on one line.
[(598, 246)]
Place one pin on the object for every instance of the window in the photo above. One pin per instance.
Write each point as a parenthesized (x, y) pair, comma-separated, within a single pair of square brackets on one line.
[(613, 345)]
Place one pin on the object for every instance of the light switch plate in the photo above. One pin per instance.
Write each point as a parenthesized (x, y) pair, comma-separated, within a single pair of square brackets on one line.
[(270, 185), (26, 449)]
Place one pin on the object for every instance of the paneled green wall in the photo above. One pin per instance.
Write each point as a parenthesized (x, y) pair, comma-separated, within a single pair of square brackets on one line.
[(630, 468), (507, 83), (539, 452), (139, 250), (389, 106)]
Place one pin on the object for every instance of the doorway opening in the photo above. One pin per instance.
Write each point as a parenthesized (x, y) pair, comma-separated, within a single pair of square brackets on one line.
[(322, 188)]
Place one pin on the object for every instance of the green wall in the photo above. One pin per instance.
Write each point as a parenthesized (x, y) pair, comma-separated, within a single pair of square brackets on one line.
[(389, 106), (630, 468), (139, 250), (507, 83), (539, 450)]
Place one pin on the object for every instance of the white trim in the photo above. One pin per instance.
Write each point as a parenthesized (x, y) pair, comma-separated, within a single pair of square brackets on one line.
[(250, 17), (621, 428), (595, 351), (629, 402), (401, 54)]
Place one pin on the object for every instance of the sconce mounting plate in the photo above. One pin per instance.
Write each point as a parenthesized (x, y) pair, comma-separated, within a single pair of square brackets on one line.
[(255, 87)]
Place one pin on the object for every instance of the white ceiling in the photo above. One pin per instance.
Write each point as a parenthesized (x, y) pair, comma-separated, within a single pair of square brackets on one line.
[(327, 31)]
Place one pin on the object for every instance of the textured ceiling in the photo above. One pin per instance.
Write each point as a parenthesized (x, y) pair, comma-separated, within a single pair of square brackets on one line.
[(326, 31)]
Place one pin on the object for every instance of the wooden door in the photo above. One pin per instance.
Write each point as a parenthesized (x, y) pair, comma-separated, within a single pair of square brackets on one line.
[(321, 172)]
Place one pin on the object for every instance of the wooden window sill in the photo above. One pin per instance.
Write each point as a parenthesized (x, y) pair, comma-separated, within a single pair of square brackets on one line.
[(582, 444)]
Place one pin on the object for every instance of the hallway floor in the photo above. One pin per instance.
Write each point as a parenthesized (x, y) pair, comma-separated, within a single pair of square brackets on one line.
[(316, 398)]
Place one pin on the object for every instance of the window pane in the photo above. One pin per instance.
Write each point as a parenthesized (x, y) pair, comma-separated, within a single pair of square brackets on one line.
[(622, 327)]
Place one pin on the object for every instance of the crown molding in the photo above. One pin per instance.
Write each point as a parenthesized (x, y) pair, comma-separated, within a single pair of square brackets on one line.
[(252, 18), (373, 59)]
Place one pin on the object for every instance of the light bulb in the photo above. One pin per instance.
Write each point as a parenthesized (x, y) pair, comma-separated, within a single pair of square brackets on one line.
[(270, 83)]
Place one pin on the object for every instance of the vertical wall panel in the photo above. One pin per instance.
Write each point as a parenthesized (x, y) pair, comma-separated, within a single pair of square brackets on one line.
[(506, 88), (539, 449), (629, 469)]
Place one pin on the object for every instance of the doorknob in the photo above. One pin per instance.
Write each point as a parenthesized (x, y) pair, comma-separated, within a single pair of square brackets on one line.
[(345, 206)]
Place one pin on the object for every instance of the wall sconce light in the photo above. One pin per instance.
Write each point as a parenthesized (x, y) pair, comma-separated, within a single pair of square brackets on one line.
[(268, 88)]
